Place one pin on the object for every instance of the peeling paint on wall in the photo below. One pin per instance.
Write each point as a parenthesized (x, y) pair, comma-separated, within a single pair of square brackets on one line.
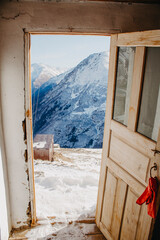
[(27, 174), (28, 212), (24, 129), (27, 113), (26, 155)]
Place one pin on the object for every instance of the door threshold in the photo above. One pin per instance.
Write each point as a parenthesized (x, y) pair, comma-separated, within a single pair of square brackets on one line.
[(84, 229)]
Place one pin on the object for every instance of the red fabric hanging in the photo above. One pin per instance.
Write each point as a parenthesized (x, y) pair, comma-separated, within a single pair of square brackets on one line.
[(149, 196)]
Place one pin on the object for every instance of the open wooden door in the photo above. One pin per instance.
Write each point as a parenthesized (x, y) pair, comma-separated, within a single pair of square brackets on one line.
[(132, 132)]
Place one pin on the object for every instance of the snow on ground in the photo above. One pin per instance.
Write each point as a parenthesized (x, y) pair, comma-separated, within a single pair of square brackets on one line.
[(66, 189)]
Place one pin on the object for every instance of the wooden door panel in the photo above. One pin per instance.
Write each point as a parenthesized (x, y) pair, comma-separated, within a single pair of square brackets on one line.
[(144, 221), (131, 217), (134, 139), (128, 158), (118, 208), (109, 198), (113, 204), (127, 155), (138, 186), (120, 203)]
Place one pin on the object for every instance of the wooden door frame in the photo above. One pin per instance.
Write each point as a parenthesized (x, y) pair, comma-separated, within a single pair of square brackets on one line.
[(117, 41), (138, 40), (28, 117), (28, 108)]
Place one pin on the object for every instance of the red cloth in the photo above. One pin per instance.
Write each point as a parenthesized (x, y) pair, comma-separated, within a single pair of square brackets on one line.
[(149, 196)]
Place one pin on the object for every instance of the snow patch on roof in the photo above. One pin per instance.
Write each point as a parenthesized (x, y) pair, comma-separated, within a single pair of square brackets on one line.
[(39, 144)]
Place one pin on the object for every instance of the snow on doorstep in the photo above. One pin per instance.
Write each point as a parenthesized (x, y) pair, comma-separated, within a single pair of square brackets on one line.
[(39, 144), (66, 189)]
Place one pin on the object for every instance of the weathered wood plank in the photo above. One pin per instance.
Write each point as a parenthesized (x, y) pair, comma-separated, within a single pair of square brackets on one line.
[(107, 235), (134, 139), (134, 183), (144, 220), (106, 138), (109, 199), (131, 215), (80, 231), (136, 88), (95, 237), (128, 158), (146, 38), (118, 208), (29, 133), (128, 155), (129, 1)]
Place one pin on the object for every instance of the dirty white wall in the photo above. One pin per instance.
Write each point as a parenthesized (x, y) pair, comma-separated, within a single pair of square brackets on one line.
[(12, 102), (4, 228), (19, 16), (5, 223)]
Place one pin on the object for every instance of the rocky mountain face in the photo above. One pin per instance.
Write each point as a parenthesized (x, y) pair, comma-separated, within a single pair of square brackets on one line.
[(71, 105)]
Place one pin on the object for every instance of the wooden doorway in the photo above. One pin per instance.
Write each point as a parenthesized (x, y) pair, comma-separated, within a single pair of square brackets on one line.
[(132, 132), (128, 141), (28, 106)]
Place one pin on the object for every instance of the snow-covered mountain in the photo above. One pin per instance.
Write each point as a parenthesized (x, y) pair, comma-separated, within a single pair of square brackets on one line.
[(42, 73), (71, 106)]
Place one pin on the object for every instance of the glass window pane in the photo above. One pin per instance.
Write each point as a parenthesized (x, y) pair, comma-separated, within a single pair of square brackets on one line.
[(123, 84), (149, 118)]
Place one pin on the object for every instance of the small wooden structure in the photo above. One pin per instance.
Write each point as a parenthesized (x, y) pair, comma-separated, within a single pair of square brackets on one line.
[(43, 146)]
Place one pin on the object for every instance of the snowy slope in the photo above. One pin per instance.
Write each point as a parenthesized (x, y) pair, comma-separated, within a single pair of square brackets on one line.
[(66, 191), (72, 105)]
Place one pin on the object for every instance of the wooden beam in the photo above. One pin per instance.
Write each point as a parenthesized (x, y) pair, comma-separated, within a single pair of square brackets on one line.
[(81, 17), (129, 1)]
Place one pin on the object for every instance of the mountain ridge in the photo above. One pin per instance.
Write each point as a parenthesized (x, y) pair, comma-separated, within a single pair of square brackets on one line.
[(73, 108)]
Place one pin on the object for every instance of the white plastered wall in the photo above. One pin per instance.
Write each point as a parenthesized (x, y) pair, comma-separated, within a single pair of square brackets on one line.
[(17, 17), (12, 102), (5, 223)]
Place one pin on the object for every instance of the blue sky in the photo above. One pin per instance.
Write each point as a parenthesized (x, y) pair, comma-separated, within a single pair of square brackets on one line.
[(65, 51)]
